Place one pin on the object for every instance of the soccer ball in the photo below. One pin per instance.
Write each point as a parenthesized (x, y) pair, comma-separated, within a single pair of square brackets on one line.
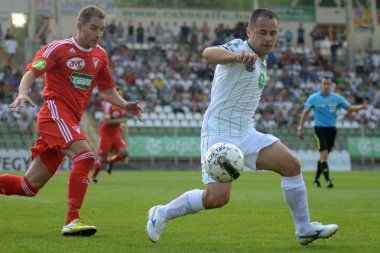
[(224, 162)]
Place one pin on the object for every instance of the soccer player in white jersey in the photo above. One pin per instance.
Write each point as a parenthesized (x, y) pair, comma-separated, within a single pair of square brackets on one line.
[(238, 82)]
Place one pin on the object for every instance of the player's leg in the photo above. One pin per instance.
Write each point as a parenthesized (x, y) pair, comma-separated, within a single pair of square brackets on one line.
[(318, 174), (120, 155), (98, 166), (216, 195), (324, 165), (80, 153), (29, 184), (60, 129), (330, 140), (326, 138), (278, 158), (316, 181), (188, 203), (121, 149), (104, 145), (45, 162)]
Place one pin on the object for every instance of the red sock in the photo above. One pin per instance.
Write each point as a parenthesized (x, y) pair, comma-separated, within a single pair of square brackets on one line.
[(97, 168), (78, 182), (16, 185), (116, 157)]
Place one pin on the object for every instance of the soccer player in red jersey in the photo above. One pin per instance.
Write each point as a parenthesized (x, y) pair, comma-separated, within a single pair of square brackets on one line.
[(72, 68), (110, 139)]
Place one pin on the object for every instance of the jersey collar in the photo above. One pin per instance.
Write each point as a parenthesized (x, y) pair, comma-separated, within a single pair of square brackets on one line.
[(324, 96), (263, 63), (78, 46)]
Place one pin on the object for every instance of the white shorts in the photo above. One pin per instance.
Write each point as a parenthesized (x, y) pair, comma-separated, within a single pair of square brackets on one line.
[(250, 145)]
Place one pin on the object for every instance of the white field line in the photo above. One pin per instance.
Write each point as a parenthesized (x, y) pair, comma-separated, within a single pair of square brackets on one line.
[(33, 199)]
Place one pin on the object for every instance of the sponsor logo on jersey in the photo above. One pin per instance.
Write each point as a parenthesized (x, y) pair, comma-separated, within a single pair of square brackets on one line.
[(261, 82), (39, 64), (233, 44), (81, 81), (76, 63), (72, 50), (95, 60)]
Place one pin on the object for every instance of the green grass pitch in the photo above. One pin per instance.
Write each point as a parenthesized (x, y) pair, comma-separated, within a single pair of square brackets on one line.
[(256, 219)]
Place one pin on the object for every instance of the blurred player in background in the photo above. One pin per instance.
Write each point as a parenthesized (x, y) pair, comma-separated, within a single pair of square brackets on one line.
[(72, 68), (325, 105), (239, 79), (110, 138)]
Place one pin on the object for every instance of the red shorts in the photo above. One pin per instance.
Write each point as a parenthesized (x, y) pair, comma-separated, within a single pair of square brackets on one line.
[(58, 129), (106, 143)]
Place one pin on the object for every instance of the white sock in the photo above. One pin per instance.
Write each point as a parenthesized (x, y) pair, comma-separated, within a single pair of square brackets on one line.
[(295, 195), (188, 203)]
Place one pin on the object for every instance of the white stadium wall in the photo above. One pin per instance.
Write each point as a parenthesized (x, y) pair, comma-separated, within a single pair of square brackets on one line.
[(12, 160)]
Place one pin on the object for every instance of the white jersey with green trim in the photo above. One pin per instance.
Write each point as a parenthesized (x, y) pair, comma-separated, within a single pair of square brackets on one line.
[(235, 94)]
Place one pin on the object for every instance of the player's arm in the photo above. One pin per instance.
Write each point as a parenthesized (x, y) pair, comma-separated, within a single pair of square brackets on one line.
[(113, 97), (220, 55), (36, 68), (26, 83), (355, 108), (300, 133)]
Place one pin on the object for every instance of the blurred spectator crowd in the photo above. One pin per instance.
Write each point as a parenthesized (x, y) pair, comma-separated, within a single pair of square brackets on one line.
[(162, 65)]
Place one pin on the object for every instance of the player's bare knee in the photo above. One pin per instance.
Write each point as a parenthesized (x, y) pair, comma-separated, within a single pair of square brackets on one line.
[(216, 201), (123, 152), (222, 200), (293, 167)]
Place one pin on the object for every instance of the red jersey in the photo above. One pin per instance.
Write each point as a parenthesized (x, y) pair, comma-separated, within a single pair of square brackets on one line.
[(71, 72), (111, 112)]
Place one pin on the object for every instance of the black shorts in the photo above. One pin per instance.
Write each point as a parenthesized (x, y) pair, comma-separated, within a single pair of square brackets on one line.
[(324, 137)]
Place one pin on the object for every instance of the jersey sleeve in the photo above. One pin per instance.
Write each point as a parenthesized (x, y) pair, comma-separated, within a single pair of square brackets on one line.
[(104, 78), (233, 46), (107, 111), (343, 102), (309, 104), (44, 59)]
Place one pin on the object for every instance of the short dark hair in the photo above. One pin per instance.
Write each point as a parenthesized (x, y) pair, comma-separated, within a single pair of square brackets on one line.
[(261, 12), (90, 11), (325, 78)]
